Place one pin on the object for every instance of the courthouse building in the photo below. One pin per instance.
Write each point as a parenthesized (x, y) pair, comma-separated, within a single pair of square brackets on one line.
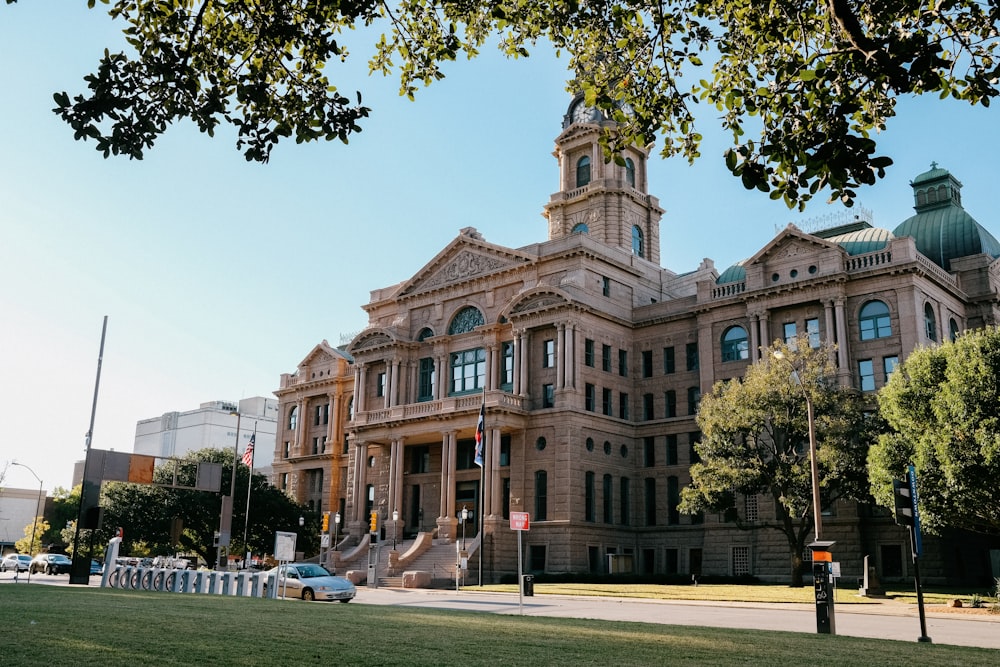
[(592, 358)]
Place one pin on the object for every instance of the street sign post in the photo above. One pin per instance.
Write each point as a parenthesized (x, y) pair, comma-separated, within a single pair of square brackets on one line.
[(520, 521)]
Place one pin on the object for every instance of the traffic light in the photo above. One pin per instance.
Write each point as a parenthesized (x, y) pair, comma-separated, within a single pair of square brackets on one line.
[(326, 521), (373, 522), (902, 510)]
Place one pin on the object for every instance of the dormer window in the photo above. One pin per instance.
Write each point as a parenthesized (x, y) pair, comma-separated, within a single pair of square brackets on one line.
[(582, 171)]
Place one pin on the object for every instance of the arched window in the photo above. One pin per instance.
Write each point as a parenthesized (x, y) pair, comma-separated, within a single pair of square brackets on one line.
[(874, 321), (931, 196), (580, 228), (424, 334), (734, 344), (637, 244), (630, 171), (582, 171), (930, 322), (465, 320), (293, 417), (953, 329)]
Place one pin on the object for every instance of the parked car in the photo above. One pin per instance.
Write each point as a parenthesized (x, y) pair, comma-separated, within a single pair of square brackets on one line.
[(310, 582), (16, 562), (96, 567), (51, 564)]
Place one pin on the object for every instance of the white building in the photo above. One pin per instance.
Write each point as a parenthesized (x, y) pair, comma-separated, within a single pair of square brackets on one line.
[(213, 425), (18, 508)]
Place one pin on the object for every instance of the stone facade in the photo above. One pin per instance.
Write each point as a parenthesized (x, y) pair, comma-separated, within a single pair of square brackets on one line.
[(590, 360)]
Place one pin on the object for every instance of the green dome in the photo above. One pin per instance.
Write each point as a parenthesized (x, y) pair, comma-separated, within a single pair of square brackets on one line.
[(734, 274), (942, 229), (864, 240)]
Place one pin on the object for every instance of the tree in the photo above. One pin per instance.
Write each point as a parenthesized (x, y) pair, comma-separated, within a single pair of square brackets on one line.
[(35, 529), (801, 86), (755, 440), (943, 407), (146, 513)]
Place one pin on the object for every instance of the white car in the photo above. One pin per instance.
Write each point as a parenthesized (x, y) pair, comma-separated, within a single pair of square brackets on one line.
[(310, 582), (16, 562)]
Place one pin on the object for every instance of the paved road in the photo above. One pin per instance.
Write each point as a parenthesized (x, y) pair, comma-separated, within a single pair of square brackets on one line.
[(883, 621), (889, 620)]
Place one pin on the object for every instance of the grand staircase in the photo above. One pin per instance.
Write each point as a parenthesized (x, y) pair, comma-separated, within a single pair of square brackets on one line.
[(422, 554)]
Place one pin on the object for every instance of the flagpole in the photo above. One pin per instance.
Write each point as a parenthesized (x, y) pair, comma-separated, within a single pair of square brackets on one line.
[(246, 517), (482, 493)]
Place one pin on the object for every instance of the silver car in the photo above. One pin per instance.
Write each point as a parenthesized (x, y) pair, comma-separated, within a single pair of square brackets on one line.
[(16, 562), (309, 582)]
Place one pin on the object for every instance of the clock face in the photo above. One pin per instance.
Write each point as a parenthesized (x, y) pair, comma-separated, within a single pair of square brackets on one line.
[(582, 113)]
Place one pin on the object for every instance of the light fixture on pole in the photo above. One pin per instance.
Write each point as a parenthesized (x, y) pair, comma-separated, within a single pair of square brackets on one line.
[(40, 514), (302, 521), (395, 518), (813, 464), (336, 529), (226, 516), (465, 517)]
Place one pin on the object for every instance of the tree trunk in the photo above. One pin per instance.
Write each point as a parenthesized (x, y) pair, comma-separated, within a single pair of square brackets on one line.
[(797, 569)]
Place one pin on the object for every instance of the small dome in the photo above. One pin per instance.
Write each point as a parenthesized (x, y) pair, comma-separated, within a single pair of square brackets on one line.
[(734, 274), (864, 240)]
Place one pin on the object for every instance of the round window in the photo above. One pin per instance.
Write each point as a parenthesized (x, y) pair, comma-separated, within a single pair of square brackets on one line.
[(590, 444), (540, 444), (774, 277), (794, 273), (624, 451), (607, 447)]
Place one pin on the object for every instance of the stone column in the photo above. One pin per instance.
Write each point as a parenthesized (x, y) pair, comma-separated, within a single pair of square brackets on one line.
[(525, 342), (571, 356), (360, 479), (516, 380), (755, 351), (360, 404), (831, 334), (765, 329), (394, 380), (560, 355)]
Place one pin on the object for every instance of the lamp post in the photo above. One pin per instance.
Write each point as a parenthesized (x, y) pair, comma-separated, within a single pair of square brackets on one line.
[(336, 529), (465, 517), (395, 518), (226, 517), (813, 465), (34, 523)]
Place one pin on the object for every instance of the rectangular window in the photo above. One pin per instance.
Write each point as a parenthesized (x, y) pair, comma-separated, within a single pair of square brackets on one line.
[(672, 562), (536, 557), (346, 448), (425, 380), (588, 352), (319, 415), (789, 331), (548, 354), (507, 365), (866, 374), (650, 501), (606, 358), (468, 370), (668, 361), (420, 459), (588, 497), (380, 389), (590, 398), (504, 451), (315, 447), (541, 495), (548, 395), (812, 329), (672, 449), (623, 363), (608, 499), (647, 363), (506, 497), (691, 355), (693, 438), (649, 451), (287, 450), (608, 409), (605, 286), (751, 509), (647, 407), (670, 397), (889, 366), (624, 500), (465, 454), (622, 405), (694, 400), (741, 561), (673, 501)]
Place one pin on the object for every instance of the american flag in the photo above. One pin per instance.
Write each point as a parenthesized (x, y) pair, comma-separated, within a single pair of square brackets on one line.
[(248, 454), (480, 427)]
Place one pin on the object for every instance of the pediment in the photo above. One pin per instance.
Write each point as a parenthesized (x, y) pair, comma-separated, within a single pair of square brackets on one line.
[(323, 353), (465, 258), (538, 301), (371, 339), (790, 244)]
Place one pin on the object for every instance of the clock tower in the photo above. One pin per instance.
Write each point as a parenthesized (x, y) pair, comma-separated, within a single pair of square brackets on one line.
[(606, 200)]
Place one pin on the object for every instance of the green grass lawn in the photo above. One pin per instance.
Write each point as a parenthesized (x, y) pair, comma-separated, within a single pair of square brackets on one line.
[(56, 625)]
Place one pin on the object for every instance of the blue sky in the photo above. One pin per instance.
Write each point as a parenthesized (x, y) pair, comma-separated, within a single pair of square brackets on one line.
[(218, 275)]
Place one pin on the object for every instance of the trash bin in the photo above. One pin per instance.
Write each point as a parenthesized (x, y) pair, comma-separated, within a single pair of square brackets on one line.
[(528, 584)]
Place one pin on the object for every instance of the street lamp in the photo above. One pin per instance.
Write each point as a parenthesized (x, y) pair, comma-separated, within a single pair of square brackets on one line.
[(465, 517), (336, 529), (34, 523), (813, 465), (395, 518)]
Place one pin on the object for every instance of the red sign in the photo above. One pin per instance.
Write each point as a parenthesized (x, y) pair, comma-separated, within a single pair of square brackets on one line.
[(519, 521)]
